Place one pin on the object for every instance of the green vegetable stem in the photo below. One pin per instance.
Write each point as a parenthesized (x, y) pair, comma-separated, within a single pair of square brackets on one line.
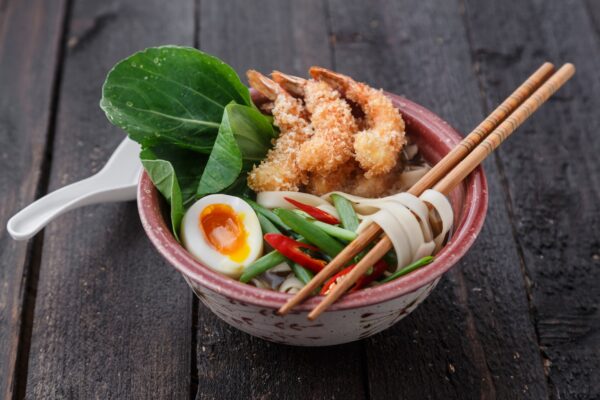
[(310, 232), (267, 213), (266, 225), (303, 274), (409, 268), (261, 265), (348, 217), (332, 230)]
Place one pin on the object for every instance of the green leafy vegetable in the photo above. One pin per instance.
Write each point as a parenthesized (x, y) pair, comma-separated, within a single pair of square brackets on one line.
[(244, 135), (175, 173), (195, 120), (171, 94)]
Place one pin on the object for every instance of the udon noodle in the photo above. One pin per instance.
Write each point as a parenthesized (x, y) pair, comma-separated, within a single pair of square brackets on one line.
[(416, 226)]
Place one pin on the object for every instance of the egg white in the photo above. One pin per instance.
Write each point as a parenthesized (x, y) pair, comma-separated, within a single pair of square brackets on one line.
[(195, 241)]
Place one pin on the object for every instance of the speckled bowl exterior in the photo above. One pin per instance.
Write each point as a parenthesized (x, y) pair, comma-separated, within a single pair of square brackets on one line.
[(357, 315)]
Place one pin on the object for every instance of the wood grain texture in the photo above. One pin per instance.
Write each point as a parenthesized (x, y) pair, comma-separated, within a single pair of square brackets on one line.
[(286, 35), (553, 189), (112, 320), (30, 30), (289, 36), (234, 365), (473, 337)]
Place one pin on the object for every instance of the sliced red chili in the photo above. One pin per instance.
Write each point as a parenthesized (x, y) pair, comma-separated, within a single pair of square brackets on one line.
[(378, 270), (314, 212), (334, 280), (292, 249)]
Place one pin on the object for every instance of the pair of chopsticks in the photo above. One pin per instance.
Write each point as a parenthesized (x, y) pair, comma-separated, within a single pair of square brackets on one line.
[(443, 177)]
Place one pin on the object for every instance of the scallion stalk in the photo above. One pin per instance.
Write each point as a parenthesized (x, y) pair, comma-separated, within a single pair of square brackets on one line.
[(303, 274), (409, 268), (266, 225), (335, 231), (267, 213), (261, 265), (310, 232), (348, 217), (331, 230)]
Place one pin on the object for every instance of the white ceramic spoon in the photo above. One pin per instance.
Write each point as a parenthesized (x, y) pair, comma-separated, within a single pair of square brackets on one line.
[(117, 181)]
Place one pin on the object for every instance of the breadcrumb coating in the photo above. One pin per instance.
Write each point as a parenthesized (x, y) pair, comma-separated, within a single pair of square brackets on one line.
[(280, 170), (322, 146), (333, 125), (378, 145)]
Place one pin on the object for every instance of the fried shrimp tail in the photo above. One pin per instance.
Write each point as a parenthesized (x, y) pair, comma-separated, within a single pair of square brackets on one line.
[(280, 170), (294, 85), (333, 125), (377, 146)]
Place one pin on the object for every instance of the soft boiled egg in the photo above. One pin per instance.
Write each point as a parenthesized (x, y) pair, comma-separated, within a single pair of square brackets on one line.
[(223, 233)]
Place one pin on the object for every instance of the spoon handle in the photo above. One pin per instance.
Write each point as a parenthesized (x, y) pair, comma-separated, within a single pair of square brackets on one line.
[(95, 189)]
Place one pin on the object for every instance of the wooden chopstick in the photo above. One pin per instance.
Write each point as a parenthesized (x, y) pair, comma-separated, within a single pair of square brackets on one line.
[(456, 175), (427, 181)]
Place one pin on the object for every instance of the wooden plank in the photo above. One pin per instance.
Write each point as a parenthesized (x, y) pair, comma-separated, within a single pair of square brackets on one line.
[(112, 320), (290, 36), (30, 30), (267, 35), (473, 337), (593, 9), (552, 177), (234, 365)]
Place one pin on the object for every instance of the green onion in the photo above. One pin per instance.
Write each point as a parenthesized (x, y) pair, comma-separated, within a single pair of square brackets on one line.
[(409, 268), (303, 274), (267, 213), (331, 230), (310, 232), (346, 212), (335, 231), (261, 265), (266, 225), (303, 214)]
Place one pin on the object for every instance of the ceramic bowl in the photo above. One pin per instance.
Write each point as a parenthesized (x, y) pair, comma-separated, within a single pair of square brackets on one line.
[(357, 315)]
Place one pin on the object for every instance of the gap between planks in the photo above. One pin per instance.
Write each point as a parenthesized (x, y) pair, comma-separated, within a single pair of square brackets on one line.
[(34, 251)]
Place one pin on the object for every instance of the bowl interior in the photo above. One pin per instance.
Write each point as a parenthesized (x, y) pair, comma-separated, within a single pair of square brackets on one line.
[(434, 138)]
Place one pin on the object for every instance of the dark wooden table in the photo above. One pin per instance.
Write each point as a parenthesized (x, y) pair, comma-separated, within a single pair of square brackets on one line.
[(89, 310)]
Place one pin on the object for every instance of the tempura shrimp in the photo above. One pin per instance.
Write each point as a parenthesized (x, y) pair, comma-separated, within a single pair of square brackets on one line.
[(377, 147), (280, 170), (331, 144), (341, 179)]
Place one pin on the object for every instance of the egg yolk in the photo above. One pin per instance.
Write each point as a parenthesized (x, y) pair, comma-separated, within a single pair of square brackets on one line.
[(225, 231)]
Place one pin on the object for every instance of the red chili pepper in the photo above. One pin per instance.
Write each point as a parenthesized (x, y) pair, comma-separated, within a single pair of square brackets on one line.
[(378, 270), (314, 212), (291, 249), (331, 282)]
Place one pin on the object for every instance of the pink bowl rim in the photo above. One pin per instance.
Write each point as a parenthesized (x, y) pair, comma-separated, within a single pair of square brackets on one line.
[(474, 212)]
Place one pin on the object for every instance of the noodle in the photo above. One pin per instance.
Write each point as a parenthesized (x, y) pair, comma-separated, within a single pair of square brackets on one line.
[(291, 284), (405, 218)]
